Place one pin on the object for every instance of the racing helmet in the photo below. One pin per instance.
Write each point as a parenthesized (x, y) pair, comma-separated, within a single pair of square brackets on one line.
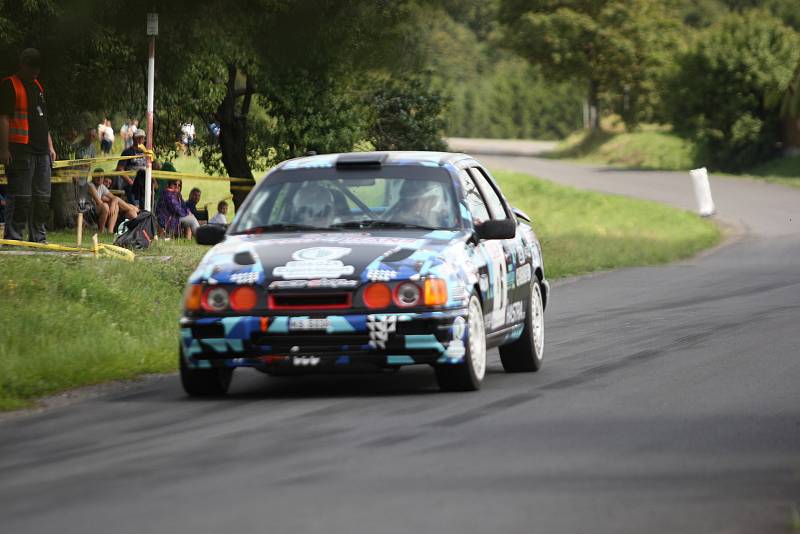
[(313, 204), (423, 201)]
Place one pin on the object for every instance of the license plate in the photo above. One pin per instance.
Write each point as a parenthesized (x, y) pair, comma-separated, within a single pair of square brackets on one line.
[(304, 323)]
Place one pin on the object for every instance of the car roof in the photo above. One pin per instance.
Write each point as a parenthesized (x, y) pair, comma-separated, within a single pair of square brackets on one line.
[(374, 159)]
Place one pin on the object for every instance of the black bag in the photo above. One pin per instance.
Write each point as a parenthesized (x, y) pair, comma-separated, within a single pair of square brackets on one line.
[(139, 232)]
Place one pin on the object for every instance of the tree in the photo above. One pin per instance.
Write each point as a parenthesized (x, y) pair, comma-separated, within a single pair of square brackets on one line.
[(721, 91), (281, 76), (407, 115), (616, 47)]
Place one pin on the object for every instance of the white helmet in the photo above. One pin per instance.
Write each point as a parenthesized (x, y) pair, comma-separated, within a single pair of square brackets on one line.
[(313, 204)]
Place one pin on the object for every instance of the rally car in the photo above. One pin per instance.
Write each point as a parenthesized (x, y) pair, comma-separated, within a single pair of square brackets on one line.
[(375, 260)]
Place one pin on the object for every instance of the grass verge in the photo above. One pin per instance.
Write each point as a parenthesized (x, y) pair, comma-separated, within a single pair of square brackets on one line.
[(654, 149), (661, 150), (582, 231), (70, 321)]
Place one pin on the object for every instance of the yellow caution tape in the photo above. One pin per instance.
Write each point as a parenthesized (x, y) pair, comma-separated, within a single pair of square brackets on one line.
[(111, 251), (63, 173)]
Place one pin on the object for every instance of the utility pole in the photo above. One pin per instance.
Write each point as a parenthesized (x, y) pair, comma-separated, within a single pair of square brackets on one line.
[(152, 31)]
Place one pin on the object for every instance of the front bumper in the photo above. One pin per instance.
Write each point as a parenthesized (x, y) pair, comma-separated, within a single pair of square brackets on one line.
[(325, 342)]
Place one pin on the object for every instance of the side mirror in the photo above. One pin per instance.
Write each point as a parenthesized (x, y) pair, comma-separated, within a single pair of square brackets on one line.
[(210, 234), (521, 214), (493, 229)]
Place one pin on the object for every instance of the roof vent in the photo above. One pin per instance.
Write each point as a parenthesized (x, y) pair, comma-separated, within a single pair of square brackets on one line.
[(366, 160)]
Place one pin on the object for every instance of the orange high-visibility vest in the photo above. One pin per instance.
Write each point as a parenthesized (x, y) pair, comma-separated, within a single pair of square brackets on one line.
[(18, 125)]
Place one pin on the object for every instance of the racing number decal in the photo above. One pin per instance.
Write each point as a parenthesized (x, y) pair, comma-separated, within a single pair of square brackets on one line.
[(499, 278)]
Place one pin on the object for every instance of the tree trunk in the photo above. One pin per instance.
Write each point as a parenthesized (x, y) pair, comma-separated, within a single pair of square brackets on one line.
[(63, 206), (233, 135), (791, 135), (594, 106)]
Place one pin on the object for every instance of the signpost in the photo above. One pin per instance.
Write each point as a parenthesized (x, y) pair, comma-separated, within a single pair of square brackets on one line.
[(152, 31)]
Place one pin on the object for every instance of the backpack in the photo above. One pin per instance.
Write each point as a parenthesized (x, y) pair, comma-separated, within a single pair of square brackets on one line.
[(138, 232)]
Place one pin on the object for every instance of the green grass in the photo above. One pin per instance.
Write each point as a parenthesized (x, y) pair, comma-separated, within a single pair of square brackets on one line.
[(581, 231), (71, 321), (785, 171), (654, 149), (660, 149)]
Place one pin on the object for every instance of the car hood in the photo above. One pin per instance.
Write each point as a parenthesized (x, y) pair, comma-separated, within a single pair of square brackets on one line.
[(339, 259)]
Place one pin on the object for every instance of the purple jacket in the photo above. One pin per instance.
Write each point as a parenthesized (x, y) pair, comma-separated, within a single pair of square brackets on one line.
[(169, 211)]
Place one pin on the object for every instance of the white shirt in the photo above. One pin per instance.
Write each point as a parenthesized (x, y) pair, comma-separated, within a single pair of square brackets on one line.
[(108, 134), (218, 219)]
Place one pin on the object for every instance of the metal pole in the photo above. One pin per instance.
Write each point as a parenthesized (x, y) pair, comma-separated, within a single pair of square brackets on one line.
[(148, 176)]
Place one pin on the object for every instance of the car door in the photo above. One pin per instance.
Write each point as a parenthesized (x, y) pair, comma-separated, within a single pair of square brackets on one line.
[(508, 304)]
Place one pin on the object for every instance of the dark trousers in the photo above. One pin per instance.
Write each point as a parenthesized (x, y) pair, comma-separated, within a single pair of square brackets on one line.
[(28, 201)]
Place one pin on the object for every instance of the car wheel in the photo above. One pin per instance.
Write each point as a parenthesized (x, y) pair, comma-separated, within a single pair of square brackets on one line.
[(525, 354), (212, 382), (468, 375)]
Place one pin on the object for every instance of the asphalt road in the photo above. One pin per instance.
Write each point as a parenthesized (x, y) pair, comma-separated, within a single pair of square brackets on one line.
[(669, 402)]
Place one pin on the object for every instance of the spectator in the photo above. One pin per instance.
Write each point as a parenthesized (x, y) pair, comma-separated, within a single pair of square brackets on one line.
[(107, 137), (100, 209), (26, 150), (134, 186), (172, 213), (126, 133), (187, 136), (85, 148), (107, 140), (214, 129), (106, 202), (194, 200), (219, 218)]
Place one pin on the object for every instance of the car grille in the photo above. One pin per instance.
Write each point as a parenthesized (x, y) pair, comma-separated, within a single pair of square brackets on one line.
[(311, 343), (310, 301)]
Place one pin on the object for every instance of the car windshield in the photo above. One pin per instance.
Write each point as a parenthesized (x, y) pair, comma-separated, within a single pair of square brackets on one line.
[(402, 197)]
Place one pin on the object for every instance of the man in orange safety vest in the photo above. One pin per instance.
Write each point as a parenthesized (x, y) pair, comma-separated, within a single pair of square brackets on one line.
[(26, 150)]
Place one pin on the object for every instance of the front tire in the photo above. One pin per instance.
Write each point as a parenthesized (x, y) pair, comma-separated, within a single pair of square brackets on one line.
[(525, 354), (468, 375), (212, 382)]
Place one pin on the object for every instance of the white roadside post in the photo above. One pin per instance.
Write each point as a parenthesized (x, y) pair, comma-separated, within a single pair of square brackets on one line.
[(152, 31), (702, 192)]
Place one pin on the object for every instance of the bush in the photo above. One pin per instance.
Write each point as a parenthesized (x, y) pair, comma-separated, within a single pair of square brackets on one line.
[(719, 93)]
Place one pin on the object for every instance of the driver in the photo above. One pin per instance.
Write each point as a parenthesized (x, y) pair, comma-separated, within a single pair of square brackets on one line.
[(313, 205), (420, 202)]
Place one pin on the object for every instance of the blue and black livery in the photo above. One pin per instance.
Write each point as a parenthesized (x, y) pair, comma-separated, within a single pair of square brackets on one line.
[(313, 312)]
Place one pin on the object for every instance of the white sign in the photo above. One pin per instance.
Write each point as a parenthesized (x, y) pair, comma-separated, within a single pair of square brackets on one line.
[(702, 192), (152, 24), (313, 269)]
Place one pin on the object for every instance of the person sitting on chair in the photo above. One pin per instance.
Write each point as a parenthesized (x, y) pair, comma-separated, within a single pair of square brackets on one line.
[(108, 206), (172, 213)]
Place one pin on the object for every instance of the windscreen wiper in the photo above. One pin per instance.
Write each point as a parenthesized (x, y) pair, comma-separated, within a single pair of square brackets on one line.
[(281, 227), (377, 223)]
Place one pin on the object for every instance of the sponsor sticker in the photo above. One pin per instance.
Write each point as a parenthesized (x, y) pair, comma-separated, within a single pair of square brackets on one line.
[(515, 313), (524, 274), (320, 253), (245, 278), (313, 269), (381, 275), (305, 361)]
